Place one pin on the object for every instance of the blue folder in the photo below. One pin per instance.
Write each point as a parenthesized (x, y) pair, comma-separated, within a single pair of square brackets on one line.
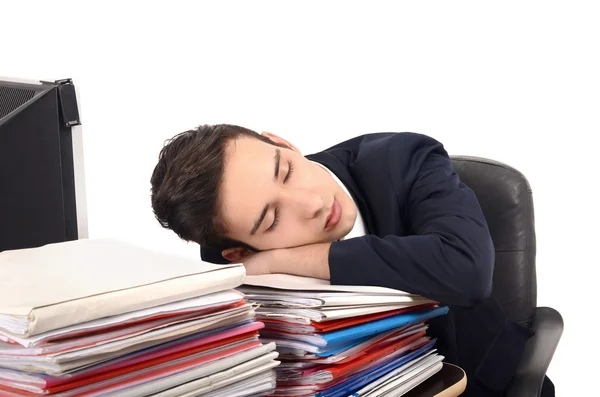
[(360, 380), (345, 336), (333, 350)]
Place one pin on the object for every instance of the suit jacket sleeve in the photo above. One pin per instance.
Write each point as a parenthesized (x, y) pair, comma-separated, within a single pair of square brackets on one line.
[(449, 254)]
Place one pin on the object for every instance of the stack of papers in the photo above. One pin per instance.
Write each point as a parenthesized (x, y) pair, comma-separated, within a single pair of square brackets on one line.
[(104, 318), (344, 340)]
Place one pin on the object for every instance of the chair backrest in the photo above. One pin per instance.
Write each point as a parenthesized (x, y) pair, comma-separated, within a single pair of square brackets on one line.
[(506, 199)]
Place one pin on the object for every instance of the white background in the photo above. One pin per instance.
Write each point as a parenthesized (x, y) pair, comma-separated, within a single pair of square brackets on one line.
[(513, 81)]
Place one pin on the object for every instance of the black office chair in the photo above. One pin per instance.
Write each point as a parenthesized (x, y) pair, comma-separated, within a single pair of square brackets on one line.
[(506, 199)]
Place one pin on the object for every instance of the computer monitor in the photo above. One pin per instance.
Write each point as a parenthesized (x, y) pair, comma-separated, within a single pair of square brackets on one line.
[(42, 187)]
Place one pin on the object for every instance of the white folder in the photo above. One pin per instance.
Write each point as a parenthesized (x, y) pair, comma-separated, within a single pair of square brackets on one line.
[(256, 386), (298, 283), (216, 382), (59, 285)]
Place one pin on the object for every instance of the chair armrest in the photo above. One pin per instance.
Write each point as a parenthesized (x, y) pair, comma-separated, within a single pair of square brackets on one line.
[(548, 327)]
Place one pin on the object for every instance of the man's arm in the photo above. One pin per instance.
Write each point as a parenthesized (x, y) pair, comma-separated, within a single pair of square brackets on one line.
[(308, 260), (449, 256)]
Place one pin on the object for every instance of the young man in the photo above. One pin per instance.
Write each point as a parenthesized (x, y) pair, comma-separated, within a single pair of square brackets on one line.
[(383, 209)]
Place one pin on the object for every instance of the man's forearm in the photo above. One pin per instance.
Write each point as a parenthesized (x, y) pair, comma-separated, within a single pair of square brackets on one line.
[(308, 260)]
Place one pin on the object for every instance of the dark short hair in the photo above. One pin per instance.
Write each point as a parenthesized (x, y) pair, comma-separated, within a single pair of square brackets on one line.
[(186, 183)]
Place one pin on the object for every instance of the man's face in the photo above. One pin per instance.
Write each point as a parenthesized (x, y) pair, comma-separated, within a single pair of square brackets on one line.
[(273, 197)]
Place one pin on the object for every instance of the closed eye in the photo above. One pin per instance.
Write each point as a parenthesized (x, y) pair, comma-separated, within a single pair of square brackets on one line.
[(276, 217), (275, 221), (290, 171)]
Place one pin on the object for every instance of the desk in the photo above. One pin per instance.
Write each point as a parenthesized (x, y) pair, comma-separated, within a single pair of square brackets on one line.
[(451, 381)]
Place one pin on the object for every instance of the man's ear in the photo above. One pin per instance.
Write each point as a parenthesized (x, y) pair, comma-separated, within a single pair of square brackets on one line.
[(237, 254), (279, 140)]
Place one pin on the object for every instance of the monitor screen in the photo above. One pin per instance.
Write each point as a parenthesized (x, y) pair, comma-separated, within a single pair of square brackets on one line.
[(42, 198)]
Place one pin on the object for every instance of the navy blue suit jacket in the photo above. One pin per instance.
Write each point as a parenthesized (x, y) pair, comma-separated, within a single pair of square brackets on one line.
[(428, 236)]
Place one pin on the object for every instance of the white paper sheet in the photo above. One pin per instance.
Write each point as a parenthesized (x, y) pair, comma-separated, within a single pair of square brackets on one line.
[(225, 350), (144, 387), (259, 385), (406, 380), (62, 284), (396, 373), (192, 304), (414, 382), (298, 283), (124, 335), (249, 369), (57, 365), (327, 313), (342, 299)]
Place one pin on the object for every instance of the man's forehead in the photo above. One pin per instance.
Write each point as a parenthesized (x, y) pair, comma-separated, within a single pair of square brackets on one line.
[(245, 146), (247, 159), (248, 171), (239, 210)]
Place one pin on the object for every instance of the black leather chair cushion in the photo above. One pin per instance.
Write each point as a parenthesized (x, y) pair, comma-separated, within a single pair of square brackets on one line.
[(506, 199)]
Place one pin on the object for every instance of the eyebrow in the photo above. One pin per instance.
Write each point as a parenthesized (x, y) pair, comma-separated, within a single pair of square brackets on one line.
[(259, 220), (277, 159)]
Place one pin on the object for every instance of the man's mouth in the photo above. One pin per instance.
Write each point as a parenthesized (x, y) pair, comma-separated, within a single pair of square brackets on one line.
[(335, 214)]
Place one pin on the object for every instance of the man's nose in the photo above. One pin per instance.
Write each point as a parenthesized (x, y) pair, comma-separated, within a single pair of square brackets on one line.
[(308, 203)]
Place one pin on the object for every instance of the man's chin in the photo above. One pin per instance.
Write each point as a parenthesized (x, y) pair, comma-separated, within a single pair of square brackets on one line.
[(339, 235)]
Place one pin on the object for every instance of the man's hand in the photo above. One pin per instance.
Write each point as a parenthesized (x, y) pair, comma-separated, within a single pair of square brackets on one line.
[(308, 260), (260, 263)]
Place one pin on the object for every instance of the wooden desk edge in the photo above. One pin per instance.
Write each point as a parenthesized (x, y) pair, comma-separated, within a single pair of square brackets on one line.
[(456, 389)]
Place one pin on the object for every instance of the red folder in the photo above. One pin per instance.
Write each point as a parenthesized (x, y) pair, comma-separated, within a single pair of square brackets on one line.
[(362, 363), (135, 377), (349, 322), (96, 374)]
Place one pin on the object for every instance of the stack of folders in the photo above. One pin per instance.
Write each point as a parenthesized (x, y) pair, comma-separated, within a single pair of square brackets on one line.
[(104, 318), (344, 340)]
